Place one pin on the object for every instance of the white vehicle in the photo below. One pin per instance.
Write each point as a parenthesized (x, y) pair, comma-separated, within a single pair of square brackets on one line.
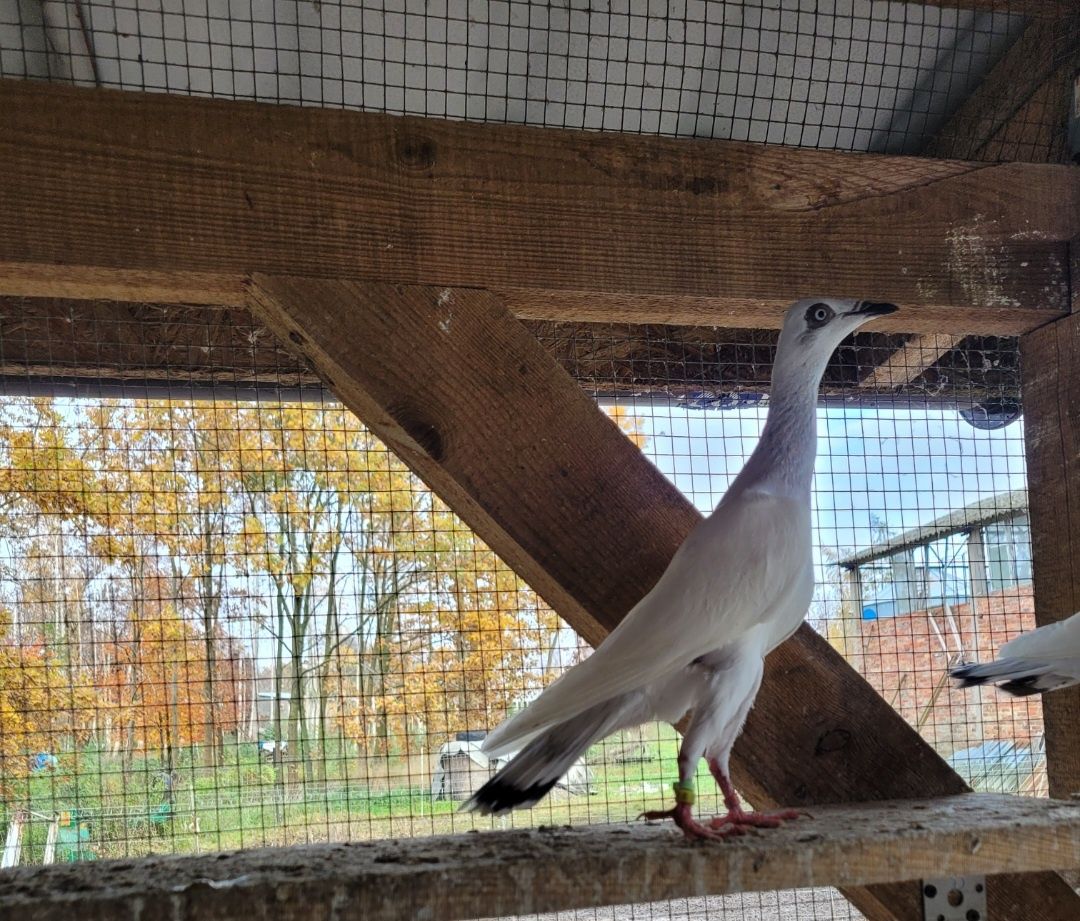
[(268, 748)]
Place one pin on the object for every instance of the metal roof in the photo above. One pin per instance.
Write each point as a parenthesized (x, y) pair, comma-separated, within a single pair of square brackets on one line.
[(1001, 507), (862, 75)]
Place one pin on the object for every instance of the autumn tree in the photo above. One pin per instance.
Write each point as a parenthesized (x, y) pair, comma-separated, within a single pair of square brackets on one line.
[(41, 709), (137, 529), (49, 497), (176, 464)]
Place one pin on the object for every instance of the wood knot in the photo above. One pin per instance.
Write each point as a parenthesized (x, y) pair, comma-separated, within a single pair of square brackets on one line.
[(415, 152), (833, 741), (704, 185), (426, 436)]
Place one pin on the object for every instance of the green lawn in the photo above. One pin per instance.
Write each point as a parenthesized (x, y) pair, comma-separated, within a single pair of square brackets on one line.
[(239, 804)]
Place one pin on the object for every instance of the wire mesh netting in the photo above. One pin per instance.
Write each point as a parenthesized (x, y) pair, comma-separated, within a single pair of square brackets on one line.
[(859, 75), (232, 618)]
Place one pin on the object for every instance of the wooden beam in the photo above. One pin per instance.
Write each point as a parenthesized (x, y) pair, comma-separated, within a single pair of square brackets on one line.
[(470, 401), (105, 342), (124, 195), (93, 344), (1018, 112), (1020, 109), (1051, 393), (512, 873), (1049, 9), (909, 362), (492, 413)]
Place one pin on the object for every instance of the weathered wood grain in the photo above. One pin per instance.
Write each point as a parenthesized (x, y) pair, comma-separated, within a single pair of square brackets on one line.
[(909, 362), (1018, 112), (124, 195), (511, 873), (1051, 395), (92, 343), (468, 399)]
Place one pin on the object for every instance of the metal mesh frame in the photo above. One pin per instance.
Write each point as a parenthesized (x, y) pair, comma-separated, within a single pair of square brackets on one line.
[(858, 75), (87, 621), (861, 75)]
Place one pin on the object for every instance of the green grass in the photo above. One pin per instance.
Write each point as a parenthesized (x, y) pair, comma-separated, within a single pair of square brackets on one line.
[(241, 804)]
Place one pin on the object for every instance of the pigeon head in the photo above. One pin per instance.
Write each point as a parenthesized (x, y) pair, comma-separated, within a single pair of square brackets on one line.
[(815, 326)]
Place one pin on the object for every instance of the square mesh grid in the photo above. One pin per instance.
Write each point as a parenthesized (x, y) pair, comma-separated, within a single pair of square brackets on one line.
[(164, 467), (185, 508), (863, 75)]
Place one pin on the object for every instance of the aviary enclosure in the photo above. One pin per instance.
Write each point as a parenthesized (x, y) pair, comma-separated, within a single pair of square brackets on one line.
[(363, 363)]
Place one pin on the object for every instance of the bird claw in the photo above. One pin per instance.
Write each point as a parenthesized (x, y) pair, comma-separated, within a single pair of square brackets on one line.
[(739, 822), (684, 819)]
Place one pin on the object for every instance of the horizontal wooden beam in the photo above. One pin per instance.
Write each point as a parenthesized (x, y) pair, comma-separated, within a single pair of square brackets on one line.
[(159, 346), (465, 396), (1018, 112), (140, 196), (99, 347), (512, 873)]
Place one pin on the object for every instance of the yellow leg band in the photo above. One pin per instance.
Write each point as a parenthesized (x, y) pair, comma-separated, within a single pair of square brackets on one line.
[(684, 794)]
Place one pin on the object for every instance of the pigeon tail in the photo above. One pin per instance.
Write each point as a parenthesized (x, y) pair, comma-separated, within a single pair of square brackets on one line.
[(540, 765), (1019, 677)]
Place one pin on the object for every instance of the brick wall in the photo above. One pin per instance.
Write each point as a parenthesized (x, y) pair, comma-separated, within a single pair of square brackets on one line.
[(903, 658)]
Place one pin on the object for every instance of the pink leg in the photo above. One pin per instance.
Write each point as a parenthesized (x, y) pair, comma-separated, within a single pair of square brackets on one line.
[(683, 816), (737, 818)]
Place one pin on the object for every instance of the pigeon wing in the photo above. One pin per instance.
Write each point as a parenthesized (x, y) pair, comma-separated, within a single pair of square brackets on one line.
[(1051, 641), (724, 580)]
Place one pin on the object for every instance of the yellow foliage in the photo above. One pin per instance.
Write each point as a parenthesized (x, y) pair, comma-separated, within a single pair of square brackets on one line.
[(178, 498), (41, 708), (155, 685)]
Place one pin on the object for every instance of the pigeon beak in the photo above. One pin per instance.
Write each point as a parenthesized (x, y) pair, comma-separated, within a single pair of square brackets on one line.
[(873, 309)]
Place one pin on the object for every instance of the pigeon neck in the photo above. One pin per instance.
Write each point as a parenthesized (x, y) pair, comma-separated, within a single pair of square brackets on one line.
[(783, 461)]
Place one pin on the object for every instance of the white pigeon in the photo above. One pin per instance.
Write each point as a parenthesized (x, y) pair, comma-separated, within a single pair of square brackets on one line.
[(1044, 659), (739, 586)]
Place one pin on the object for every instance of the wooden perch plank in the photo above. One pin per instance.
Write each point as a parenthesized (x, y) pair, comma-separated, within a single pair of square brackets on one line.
[(124, 195), (469, 399), (909, 362), (511, 873), (1051, 395), (1020, 109)]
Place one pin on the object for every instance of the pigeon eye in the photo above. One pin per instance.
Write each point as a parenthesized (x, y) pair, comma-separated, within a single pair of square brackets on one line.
[(818, 315)]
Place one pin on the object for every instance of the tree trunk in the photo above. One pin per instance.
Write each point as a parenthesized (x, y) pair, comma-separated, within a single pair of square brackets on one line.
[(279, 688), (210, 727), (297, 709)]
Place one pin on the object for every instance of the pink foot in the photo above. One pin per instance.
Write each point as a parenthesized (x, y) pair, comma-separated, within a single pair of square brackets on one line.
[(741, 822), (682, 816)]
